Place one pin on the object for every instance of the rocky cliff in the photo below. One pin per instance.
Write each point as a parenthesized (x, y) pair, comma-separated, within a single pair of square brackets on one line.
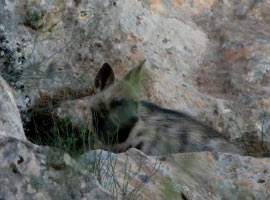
[(210, 59)]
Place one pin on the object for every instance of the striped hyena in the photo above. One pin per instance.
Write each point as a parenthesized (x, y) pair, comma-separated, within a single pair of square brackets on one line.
[(122, 121)]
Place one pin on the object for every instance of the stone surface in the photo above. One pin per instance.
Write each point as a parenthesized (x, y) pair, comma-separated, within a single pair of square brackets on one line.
[(79, 111), (130, 175), (220, 176), (197, 176), (28, 171), (34, 172), (207, 58), (10, 120)]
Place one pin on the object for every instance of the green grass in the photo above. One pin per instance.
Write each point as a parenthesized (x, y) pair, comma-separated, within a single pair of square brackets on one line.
[(48, 130)]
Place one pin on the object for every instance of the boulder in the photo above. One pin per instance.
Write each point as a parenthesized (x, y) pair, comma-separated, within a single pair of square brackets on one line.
[(28, 171), (10, 119), (200, 176), (207, 58)]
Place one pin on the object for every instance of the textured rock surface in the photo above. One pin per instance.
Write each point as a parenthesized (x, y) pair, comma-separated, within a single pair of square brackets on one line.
[(31, 172), (10, 120), (197, 176), (78, 110), (221, 176), (208, 58)]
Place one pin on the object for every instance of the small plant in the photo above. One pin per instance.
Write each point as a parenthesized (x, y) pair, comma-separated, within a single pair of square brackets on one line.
[(34, 18), (256, 145), (103, 165), (46, 129), (264, 129)]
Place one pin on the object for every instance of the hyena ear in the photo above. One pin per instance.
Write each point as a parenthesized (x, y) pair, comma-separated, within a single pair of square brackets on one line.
[(104, 77), (134, 75)]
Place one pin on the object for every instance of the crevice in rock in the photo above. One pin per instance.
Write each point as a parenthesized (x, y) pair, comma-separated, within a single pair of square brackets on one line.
[(45, 128), (20, 160), (8, 70), (183, 196)]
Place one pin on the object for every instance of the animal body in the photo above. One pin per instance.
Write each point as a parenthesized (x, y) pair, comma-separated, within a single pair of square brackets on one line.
[(122, 121)]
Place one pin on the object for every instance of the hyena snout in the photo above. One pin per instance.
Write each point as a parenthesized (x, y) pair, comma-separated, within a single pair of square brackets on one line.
[(134, 119)]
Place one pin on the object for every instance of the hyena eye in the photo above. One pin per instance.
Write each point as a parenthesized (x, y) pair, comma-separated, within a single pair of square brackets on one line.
[(116, 102)]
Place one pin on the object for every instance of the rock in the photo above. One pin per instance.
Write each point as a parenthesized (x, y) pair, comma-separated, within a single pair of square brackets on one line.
[(209, 59), (79, 111), (220, 176), (28, 171), (10, 120), (35, 172), (128, 175), (197, 176), (124, 43)]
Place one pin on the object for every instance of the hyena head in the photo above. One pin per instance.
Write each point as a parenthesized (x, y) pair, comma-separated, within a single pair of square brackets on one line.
[(115, 106)]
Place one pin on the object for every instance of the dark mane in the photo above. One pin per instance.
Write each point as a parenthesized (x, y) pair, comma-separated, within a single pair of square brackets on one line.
[(155, 108)]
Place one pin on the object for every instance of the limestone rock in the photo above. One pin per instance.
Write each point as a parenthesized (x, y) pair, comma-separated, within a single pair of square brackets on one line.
[(28, 171), (220, 176), (197, 176), (10, 120), (79, 111), (207, 58)]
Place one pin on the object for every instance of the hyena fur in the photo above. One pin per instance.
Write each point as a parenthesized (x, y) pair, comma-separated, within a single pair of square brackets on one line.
[(122, 121)]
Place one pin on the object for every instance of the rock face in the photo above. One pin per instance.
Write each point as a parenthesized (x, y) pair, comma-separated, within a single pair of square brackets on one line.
[(28, 171), (10, 120), (196, 176), (32, 172), (221, 176), (207, 58)]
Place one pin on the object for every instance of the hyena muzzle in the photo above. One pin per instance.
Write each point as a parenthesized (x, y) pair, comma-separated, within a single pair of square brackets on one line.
[(121, 121)]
